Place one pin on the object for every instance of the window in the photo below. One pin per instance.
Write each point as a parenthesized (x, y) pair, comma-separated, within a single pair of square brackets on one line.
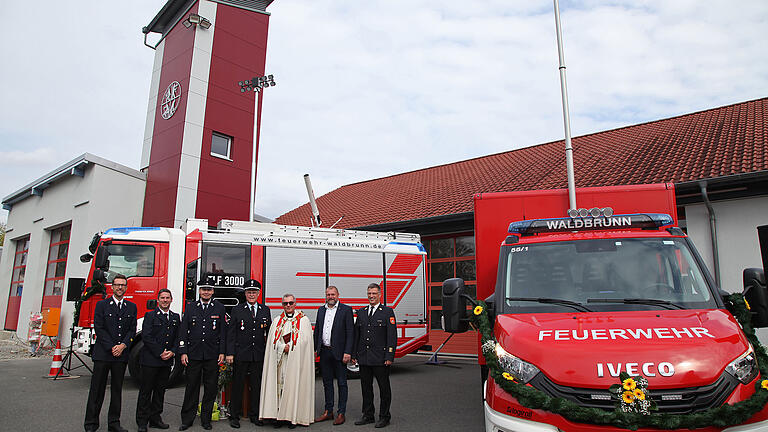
[(19, 266), (449, 257), (221, 146), (231, 259), (57, 262), (130, 260)]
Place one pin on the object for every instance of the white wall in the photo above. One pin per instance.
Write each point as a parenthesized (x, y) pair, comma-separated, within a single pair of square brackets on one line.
[(737, 222), (101, 199), (737, 242)]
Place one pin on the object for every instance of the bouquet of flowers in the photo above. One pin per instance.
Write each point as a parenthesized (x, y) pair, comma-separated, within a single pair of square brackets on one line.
[(632, 395)]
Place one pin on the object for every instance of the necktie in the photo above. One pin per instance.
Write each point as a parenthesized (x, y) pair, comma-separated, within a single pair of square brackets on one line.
[(253, 311), (370, 311), (205, 306), (119, 305)]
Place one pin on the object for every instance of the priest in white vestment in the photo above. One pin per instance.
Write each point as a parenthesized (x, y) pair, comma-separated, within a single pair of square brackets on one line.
[(288, 378)]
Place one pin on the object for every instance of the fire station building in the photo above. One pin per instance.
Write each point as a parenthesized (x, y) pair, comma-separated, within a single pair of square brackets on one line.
[(717, 160)]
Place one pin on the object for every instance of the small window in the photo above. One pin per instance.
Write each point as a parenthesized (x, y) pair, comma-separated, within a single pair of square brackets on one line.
[(130, 260), (221, 146), (227, 259)]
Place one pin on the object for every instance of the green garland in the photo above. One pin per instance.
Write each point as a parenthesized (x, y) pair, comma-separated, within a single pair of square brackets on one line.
[(722, 416)]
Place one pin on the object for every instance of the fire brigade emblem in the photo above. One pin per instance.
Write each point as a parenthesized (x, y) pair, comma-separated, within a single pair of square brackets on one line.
[(170, 100)]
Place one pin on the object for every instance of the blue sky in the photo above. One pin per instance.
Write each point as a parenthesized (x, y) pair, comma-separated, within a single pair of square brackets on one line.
[(369, 89)]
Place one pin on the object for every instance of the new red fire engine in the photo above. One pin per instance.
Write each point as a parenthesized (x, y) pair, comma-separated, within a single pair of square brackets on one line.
[(616, 287), (299, 260)]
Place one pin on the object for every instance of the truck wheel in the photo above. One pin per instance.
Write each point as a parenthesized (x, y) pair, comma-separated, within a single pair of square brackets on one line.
[(133, 361)]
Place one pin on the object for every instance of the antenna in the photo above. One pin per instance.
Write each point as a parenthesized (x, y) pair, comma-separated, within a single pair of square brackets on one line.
[(566, 115)]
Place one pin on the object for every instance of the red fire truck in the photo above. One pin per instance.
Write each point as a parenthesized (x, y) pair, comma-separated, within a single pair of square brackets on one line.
[(613, 288), (285, 259)]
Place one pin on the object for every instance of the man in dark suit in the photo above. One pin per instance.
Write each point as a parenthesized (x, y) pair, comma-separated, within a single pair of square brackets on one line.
[(159, 331), (374, 351), (334, 333), (202, 345), (114, 322), (246, 340)]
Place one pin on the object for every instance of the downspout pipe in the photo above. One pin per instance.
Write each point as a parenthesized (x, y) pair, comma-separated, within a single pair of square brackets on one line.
[(712, 231)]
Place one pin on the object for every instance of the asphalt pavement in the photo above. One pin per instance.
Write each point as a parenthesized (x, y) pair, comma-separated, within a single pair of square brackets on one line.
[(425, 398)]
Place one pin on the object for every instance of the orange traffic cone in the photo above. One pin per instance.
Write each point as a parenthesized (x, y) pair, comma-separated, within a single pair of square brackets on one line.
[(56, 363)]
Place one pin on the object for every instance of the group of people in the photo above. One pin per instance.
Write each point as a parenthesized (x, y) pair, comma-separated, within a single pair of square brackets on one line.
[(274, 357)]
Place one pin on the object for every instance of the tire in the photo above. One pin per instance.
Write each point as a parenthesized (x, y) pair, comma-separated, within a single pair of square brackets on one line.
[(133, 361)]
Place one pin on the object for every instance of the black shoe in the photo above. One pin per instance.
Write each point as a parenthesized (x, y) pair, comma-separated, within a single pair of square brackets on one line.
[(142, 429), (207, 426), (256, 421), (382, 423), (91, 428), (115, 427), (234, 422), (277, 424), (158, 424), (365, 420), (291, 426), (184, 427)]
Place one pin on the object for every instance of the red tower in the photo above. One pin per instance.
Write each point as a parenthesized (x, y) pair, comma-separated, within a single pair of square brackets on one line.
[(198, 141)]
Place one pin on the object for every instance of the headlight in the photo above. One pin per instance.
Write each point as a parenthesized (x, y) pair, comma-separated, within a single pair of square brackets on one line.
[(521, 370), (744, 368)]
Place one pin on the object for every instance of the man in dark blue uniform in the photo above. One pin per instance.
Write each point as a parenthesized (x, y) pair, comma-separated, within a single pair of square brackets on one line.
[(159, 332), (202, 345), (246, 340), (114, 322), (374, 351), (334, 334)]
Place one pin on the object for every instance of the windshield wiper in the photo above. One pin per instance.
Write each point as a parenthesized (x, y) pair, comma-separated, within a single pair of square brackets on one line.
[(578, 306), (642, 301)]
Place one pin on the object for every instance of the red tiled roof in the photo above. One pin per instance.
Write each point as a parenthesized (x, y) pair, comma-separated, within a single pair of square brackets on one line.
[(713, 143)]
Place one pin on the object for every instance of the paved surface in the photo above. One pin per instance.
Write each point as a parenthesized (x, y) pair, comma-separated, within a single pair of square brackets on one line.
[(425, 398)]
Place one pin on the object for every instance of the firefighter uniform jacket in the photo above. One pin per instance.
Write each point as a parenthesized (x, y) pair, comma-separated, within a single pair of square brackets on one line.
[(202, 335), (247, 335), (113, 326), (375, 336), (159, 333)]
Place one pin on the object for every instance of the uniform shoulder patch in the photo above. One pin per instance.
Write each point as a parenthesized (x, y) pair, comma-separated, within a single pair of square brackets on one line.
[(391, 320)]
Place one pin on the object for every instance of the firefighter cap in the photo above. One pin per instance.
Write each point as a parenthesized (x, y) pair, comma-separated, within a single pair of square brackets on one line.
[(207, 281), (252, 284)]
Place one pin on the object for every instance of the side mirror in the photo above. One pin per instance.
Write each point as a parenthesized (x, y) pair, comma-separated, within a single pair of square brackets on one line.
[(99, 276), (455, 306), (151, 304), (102, 258), (86, 257), (756, 294)]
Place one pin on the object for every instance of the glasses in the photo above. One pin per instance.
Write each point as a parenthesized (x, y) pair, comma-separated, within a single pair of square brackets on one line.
[(288, 303), (114, 285)]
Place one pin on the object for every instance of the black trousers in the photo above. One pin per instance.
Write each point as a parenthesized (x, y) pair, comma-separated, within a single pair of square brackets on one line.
[(381, 373), (331, 368), (252, 371), (149, 406), (206, 371), (99, 386)]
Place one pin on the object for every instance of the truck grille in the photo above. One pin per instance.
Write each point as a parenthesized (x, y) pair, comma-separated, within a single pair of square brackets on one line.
[(670, 401)]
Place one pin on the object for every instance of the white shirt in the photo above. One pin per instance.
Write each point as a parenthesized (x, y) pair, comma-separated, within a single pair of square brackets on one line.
[(253, 308), (330, 314), (119, 303), (372, 309)]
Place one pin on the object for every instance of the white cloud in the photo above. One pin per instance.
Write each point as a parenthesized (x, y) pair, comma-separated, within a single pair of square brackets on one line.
[(368, 89)]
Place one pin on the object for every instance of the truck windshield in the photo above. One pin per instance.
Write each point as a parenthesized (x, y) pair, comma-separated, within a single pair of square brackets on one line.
[(604, 274)]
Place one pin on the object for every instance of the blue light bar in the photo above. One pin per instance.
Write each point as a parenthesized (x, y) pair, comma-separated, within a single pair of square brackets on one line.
[(128, 230), (641, 220), (418, 245)]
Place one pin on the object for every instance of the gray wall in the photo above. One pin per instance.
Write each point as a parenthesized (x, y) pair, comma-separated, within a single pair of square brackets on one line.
[(103, 198)]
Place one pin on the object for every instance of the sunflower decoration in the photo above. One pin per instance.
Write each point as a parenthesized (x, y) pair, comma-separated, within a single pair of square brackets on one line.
[(225, 374), (764, 384), (507, 376), (478, 310), (632, 395)]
